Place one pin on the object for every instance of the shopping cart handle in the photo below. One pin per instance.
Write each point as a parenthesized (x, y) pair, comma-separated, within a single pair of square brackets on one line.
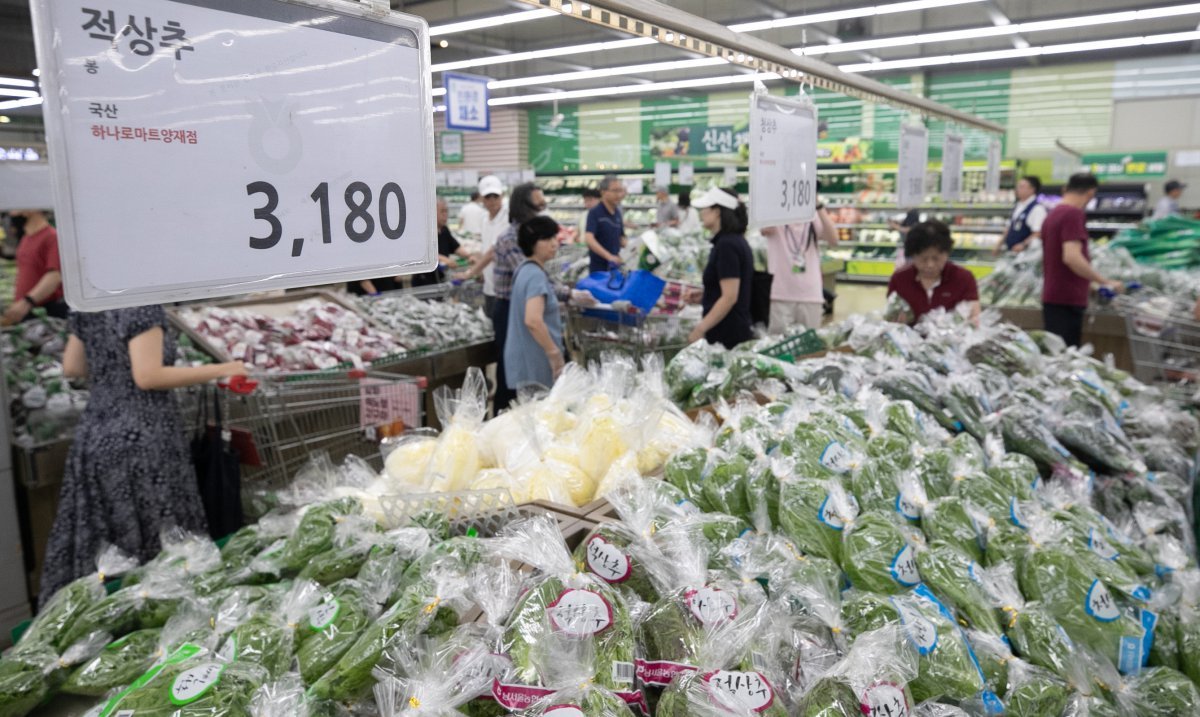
[(241, 385)]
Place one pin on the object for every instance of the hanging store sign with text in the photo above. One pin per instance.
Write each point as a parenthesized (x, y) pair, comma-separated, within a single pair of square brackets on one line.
[(783, 160)]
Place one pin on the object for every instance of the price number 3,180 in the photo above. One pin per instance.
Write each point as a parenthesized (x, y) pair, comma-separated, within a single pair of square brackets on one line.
[(365, 213), (795, 193)]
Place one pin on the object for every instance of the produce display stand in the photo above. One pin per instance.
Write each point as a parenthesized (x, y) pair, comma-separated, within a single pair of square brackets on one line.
[(1166, 349), (1102, 328)]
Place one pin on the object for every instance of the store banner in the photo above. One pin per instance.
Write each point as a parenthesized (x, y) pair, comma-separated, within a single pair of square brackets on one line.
[(467, 102), (662, 174), (952, 167), (235, 147), (991, 181), (914, 158), (451, 148), (1130, 165), (687, 174), (783, 160)]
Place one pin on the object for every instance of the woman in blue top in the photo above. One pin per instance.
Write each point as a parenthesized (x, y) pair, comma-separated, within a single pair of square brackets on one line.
[(533, 355), (729, 273)]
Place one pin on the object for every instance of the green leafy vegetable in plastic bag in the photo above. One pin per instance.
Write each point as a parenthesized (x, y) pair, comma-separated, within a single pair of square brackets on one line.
[(877, 556)]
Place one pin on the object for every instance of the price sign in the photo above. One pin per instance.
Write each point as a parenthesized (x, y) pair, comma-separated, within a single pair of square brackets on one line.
[(662, 174), (730, 177), (914, 156), (783, 160), (467, 102), (452, 147), (991, 183), (687, 174), (208, 148), (952, 167)]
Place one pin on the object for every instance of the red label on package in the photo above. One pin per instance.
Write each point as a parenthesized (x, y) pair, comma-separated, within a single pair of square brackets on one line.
[(580, 613), (517, 697), (635, 699), (660, 673)]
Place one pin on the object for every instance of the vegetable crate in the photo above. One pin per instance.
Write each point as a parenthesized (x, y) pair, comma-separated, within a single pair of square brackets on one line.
[(1165, 345), (277, 421), (634, 334)]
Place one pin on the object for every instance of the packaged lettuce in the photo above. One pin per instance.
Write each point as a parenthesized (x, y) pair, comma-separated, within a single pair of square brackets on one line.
[(1033, 632), (354, 536), (434, 676), (55, 618), (141, 606), (1018, 473), (946, 664), (282, 698), (1161, 692), (564, 602), (390, 559), (966, 400), (959, 580), (31, 672), (268, 638), (877, 555), (1187, 628), (825, 449), (435, 595), (724, 489), (994, 655), (688, 471), (814, 513), (332, 626), (950, 521), (315, 532), (1034, 692), (191, 682), (185, 557), (117, 665), (871, 680), (938, 709)]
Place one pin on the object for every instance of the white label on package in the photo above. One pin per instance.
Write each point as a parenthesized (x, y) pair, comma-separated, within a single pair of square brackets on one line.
[(607, 561), (884, 700), (914, 158), (904, 567), (783, 160), (563, 711), (711, 606), (837, 457), (1099, 603), (209, 148), (323, 615), (580, 613), (191, 684), (952, 167), (920, 629), (740, 691), (991, 183)]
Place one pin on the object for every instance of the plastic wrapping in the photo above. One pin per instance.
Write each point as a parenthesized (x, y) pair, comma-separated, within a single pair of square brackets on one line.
[(877, 555), (315, 533), (455, 461), (332, 626), (958, 579), (953, 521), (814, 515), (282, 698), (1034, 692), (268, 637), (1033, 633), (433, 677), (191, 681), (354, 537), (872, 679), (140, 606), (30, 672)]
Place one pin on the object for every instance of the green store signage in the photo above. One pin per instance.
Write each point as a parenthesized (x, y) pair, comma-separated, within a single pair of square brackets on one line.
[(1132, 165), (451, 146)]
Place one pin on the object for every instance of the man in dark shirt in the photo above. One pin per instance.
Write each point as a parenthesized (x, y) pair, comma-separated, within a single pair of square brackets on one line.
[(1067, 267), (605, 234), (448, 248)]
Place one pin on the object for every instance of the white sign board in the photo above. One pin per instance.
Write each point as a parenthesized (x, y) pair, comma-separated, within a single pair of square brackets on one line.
[(209, 147), (662, 175), (470, 178), (991, 183), (1062, 166), (456, 178), (687, 174), (528, 175), (783, 160), (952, 167), (466, 102), (635, 186), (25, 185), (730, 177), (914, 157)]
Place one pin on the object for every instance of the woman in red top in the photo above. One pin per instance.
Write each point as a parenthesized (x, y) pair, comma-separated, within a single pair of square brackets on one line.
[(930, 280)]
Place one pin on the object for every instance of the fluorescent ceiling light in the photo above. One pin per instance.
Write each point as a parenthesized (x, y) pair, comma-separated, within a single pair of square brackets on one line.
[(595, 74), (14, 82), (27, 102), (6, 92), (633, 89), (836, 15), (485, 22), (1022, 52), (541, 54), (1065, 23)]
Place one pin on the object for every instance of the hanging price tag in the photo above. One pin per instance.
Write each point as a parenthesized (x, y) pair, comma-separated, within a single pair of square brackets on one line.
[(662, 174), (783, 160), (914, 156), (991, 183), (209, 148), (952, 167)]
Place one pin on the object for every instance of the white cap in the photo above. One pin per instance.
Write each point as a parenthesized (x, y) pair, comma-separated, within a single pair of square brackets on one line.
[(716, 196), (490, 184)]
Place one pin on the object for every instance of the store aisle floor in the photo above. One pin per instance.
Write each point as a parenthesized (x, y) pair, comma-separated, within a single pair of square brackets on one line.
[(856, 298)]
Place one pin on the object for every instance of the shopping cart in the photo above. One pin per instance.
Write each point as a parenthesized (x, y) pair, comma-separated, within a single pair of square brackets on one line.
[(277, 421), (626, 331), (1164, 340)]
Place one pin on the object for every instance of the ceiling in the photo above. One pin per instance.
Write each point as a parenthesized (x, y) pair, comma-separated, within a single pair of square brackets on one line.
[(975, 16)]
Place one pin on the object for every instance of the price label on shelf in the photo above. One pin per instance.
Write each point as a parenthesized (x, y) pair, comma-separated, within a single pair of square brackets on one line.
[(662, 174), (687, 174), (783, 160), (914, 157), (952, 167), (991, 183), (208, 148)]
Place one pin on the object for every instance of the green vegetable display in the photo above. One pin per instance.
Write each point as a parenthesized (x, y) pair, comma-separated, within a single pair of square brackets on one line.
[(877, 557), (814, 513), (947, 520), (323, 640), (117, 665), (951, 573), (190, 683), (1035, 692), (315, 533)]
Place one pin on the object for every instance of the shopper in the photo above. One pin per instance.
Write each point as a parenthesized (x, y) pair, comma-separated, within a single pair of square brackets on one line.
[(729, 274), (930, 280), (689, 217), (667, 214), (794, 260), (526, 202), (494, 224), (471, 216), (448, 248), (605, 235), (1168, 206), (591, 197), (39, 271), (1067, 268), (129, 472), (1025, 224), (533, 353)]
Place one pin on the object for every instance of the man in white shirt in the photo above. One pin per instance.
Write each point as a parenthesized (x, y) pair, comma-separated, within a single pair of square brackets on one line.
[(495, 221), (471, 216), (1168, 206), (1025, 225)]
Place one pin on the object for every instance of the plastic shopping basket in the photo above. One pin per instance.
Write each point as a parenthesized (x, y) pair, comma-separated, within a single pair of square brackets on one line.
[(793, 347)]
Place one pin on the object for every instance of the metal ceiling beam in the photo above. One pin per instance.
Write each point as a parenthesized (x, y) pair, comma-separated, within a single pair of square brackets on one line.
[(675, 28)]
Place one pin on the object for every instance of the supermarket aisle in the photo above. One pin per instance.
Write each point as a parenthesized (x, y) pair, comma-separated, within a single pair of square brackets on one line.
[(856, 298)]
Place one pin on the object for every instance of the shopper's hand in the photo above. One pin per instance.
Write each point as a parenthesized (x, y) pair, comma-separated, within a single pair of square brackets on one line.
[(695, 335), (1117, 286), (233, 368), (691, 295), (15, 312), (1018, 248), (556, 363), (583, 298)]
